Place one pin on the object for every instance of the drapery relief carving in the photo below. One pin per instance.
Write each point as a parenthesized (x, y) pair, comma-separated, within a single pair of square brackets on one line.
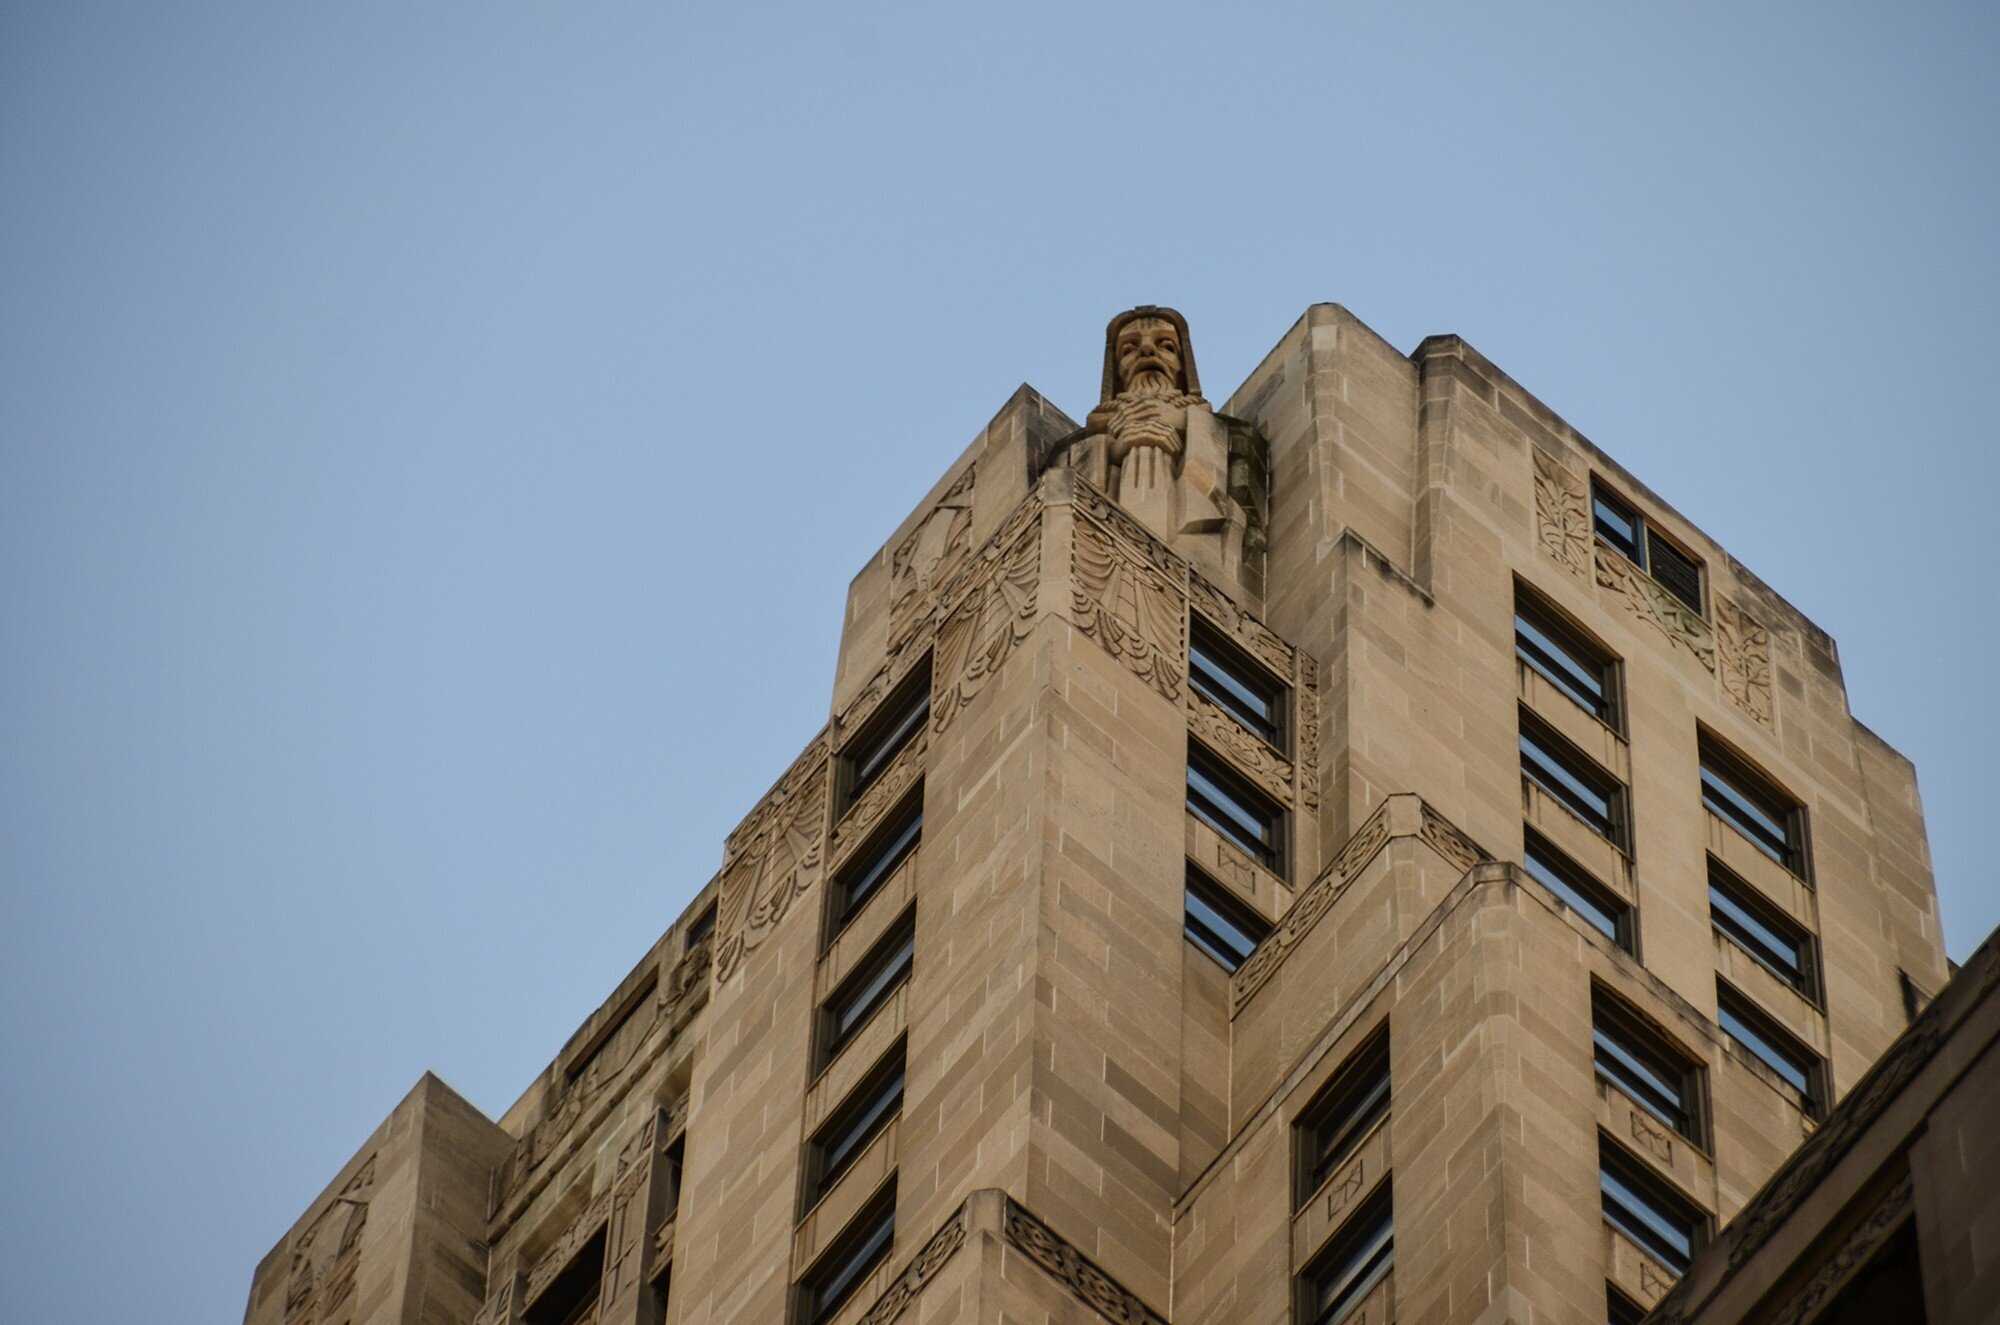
[(1075, 1271), (926, 558), (1246, 751), (1562, 514), (1136, 613), (772, 860), (1376, 832), (1115, 518), (1651, 603), (922, 1268), (1743, 655), (326, 1255), (887, 789), (993, 614)]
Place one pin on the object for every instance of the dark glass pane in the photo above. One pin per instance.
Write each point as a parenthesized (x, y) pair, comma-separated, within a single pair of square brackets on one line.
[(1580, 678), (1339, 1137), (879, 862), (853, 1004), (1620, 1309), (1678, 573), (1656, 1087), (878, 747), (849, 1262), (1591, 798), (1236, 813), (1617, 525), (1220, 928), (851, 1131), (703, 926), (1352, 1267), (1599, 908), (1335, 1125), (1646, 1217), (1238, 687), (1744, 924)]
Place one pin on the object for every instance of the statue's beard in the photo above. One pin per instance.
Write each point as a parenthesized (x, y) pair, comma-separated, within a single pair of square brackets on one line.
[(1149, 382)]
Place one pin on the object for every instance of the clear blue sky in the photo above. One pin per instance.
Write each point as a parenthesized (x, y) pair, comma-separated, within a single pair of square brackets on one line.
[(435, 441)]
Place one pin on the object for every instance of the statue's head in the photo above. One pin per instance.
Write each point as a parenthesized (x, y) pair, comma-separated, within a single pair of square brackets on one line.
[(1146, 349)]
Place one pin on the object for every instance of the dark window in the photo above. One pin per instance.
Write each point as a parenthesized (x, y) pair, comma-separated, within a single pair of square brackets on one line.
[(1620, 1309), (1647, 1211), (1235, 809), (1335, 1124), (1565, 657), (571, 1295), (1360, 1256), (700, 928), (1646, 1065), (1570, 882), (876, 861), (1625, 530), (1752, 924), (878, 976), (676, 1166), (1773, 1046), (1889, 1287), (1573, 779), (622, 1033), (862, 1246), (884, 735), (858, 1121), (1222, 673), (1220, 925), (1751, 804)]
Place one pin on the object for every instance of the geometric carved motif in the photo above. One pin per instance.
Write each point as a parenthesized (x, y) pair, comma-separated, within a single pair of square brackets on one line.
[(926, 558), (1305, 911), (1248, 752), (1743, 649), (1651, 603), (993, 614), (1562, 516), (1124, 602), (326, 1254), (772, 859), (1075, 1271), (918, 1272)]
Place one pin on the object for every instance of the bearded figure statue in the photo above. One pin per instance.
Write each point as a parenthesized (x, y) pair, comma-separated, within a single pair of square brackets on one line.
[(1195, 478)]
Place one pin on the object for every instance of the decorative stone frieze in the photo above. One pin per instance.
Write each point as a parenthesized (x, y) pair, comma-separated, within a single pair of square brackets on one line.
[(1649, 601), (921, 1268), (1562, 514), (772, 859), (881, 796), (1246, 751), (1075, 1271), (1133, 609), (925, 559), (992, 615), (325, 1256)]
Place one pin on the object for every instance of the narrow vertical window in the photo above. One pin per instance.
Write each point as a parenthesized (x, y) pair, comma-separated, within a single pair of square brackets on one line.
[(1218, 924), (1360, 1256), (700, 928), (571, 1297), (1753, 805), (1227, 802), (842, 1268), (1340, 1118), (1223, 674), (1565, 657), (861, 1118), (1574, 781), (1570, 882), (1774, 1047), (1651, 1070), (1775, 942), (1646, 1210), (868, 755), (875, 863), (1621, 527), (880, 974)]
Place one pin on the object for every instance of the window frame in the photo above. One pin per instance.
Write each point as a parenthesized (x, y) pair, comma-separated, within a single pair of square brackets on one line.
[(1230, 910), (1216, 771), (581, 1278), (1573, 884), (1648, 1050), (1576, 648), (1735, 1005), (1210, 649), (873, 748), (859, 1119), (886, 968), (854, 1253), (1638, 549), (1557, 749), (885, 851), (1616, 1164), (1722, 769), (700, 930), (1356, 1260), (1342, 1114), (1757, 910)]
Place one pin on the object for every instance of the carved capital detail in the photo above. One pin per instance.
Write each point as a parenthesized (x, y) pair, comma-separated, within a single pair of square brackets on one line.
[(1743, 654), (1075, 1271), (772, 859), (1135, 611), (1651, 603), (993, 614)]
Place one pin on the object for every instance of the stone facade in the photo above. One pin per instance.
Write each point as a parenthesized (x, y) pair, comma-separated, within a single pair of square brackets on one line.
[(966, 902)]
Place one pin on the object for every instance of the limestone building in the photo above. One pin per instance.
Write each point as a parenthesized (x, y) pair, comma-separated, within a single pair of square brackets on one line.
[(1349, 854)]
